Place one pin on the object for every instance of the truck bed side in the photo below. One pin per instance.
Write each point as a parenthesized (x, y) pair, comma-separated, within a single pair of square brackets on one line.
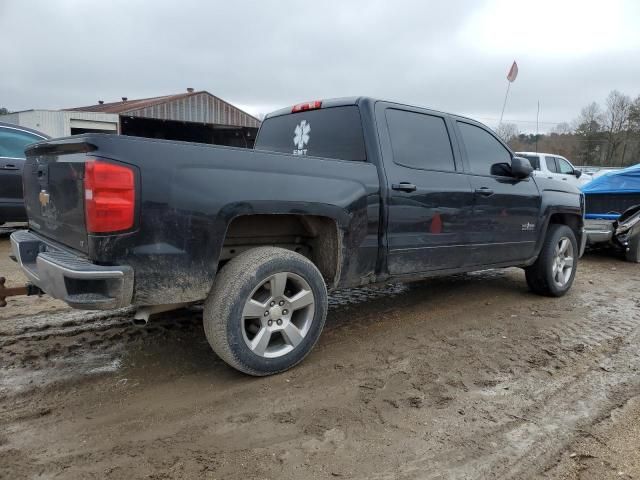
[(189, 194)]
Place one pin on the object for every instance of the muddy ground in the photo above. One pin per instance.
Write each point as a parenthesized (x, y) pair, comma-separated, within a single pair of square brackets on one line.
[(465, 377)]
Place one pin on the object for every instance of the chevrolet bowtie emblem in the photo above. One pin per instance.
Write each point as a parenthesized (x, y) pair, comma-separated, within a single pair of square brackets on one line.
[(44, 198)]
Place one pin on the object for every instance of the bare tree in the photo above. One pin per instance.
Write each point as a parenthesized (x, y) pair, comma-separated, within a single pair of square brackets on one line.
[(595, 137), (616, 124), (588, 128), (507, 131), (632, 139), (562, 129), (590, 119), (634, 116)]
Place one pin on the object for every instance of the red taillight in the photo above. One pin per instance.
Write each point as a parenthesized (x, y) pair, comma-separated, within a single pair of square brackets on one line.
[(301, 107), (109, 197)]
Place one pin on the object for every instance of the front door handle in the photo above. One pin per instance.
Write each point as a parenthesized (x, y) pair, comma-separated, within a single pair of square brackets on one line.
[(404, 187), (9, 166), (484, 191)]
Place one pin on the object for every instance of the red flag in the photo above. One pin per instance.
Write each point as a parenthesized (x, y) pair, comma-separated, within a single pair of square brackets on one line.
[(513, 72)]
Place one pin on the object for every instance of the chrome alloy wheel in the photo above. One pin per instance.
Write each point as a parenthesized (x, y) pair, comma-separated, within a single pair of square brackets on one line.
[(278, 315), (562, 262)]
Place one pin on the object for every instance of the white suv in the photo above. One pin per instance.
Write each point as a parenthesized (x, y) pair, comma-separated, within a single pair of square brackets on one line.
[(554, 166)]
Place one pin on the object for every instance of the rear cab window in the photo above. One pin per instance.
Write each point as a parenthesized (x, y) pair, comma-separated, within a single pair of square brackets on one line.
[(334, 132), (420, 141), (534, 160)]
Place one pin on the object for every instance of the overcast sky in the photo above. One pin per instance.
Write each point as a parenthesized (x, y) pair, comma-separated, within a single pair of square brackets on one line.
[(263, 55)]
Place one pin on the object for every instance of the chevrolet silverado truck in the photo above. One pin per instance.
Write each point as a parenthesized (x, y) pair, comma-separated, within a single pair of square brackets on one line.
[(335, 194)]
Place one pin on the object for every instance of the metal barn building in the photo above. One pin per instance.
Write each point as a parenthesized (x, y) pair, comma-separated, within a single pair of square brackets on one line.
[(191, 116), (56, 123)]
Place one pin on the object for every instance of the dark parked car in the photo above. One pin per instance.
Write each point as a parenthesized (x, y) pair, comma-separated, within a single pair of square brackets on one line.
[(13, 140), (337, 193)]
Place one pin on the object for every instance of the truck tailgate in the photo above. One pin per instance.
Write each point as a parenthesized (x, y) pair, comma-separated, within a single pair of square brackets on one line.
[(54, 193)]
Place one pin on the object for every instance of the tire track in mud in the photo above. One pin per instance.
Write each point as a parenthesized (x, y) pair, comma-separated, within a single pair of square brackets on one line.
[(68, 323), (534, 435), (600, 324), (66, 328), (63, 340), (485, 382), (601, 350)]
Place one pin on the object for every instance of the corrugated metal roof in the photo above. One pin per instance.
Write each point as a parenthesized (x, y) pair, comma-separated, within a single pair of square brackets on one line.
[(125, 106), (198, 106)]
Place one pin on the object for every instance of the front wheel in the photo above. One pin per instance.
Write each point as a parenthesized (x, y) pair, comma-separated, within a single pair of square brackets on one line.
[(266, 310), (553, 272)]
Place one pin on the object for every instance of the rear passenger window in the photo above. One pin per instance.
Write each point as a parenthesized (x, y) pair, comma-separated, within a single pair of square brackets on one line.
[(419, 140), (486, 155), (551, 164)]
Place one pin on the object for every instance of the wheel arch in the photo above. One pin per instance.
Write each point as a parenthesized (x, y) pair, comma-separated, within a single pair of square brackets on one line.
[(572, 219), (317, 237)]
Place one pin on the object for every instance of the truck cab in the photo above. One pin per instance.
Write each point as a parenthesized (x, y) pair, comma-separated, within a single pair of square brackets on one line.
[(554, 167)]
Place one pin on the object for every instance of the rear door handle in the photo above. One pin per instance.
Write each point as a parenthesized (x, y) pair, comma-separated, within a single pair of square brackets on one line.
[(484, 191), (10, 166), (404, 187)]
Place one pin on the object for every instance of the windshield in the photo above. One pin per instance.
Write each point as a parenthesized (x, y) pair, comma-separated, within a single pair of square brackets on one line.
[(13, 142), (327, 132)]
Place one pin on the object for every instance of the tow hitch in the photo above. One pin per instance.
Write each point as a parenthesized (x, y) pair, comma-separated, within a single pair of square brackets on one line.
[(27, 289)]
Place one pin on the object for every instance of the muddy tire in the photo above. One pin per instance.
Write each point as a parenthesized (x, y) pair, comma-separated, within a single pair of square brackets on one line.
[(266, 310), (553, 272), (633, 253)]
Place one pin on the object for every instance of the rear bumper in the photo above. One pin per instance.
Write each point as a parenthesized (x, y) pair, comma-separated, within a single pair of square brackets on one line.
[(70, 277)]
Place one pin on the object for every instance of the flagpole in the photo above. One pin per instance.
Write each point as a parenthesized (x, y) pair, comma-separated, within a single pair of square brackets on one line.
[(511, 77), (537, 125), (505, 101)]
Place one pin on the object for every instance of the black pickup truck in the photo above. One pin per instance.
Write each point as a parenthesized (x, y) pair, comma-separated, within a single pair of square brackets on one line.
[(337, 193)]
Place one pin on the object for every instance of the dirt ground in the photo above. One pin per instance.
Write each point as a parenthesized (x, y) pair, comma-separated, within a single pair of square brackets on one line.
[(465, 377)]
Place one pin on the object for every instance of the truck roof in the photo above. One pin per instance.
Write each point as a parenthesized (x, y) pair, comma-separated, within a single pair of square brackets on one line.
[(541, 153), (344, 101), (330, 102)]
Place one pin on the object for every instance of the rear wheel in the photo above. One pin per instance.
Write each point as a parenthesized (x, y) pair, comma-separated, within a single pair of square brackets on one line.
[(266, 310), (553, 272)]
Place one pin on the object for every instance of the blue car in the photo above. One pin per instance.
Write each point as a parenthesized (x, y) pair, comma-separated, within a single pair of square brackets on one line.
[(612, 211)]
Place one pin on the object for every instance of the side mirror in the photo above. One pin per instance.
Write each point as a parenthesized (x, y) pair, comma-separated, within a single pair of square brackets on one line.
[(577, 173), (521, 167)]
